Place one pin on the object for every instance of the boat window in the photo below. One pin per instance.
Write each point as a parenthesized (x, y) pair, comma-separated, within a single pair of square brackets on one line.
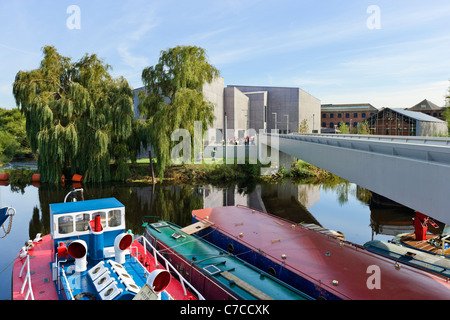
[(272, 272), (65, 224), (114, 218), (82, 222), (102, 217)]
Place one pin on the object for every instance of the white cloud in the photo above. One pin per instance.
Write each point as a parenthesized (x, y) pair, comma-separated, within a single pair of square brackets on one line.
[(135, 62)]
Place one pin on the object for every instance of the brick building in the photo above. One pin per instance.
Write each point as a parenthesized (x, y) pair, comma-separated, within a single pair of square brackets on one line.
[(429, 108), (350, 114)]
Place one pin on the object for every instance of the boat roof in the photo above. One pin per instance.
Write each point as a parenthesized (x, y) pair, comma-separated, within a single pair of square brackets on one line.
[(219, 264), (87, 205), (323, 259)]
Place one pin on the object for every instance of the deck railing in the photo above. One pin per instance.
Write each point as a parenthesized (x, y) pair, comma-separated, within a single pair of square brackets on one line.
[(169, 267), (27, 279)]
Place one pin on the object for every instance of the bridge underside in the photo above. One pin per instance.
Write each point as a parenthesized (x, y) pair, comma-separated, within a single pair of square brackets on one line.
[(421, 185)]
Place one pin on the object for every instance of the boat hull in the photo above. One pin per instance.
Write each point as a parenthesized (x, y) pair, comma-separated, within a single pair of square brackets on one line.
[(317, 264)]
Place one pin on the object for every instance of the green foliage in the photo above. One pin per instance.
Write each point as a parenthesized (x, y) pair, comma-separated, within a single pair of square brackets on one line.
[(173, 98), (13, 140), (344, 128), (77, 116), (363, 128), (303, 126), (446, 112)]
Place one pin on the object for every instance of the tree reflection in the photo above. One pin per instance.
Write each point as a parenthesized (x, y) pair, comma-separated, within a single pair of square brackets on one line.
[(171, 203)]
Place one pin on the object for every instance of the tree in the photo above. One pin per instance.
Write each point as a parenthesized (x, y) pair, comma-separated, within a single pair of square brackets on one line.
[(446, 112), (77, 116), (13, 139), (303, 126), (344, 128), (363, 128), (172, 98)]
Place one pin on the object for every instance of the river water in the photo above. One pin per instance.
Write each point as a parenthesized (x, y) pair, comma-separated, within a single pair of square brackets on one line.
[(342, 207)]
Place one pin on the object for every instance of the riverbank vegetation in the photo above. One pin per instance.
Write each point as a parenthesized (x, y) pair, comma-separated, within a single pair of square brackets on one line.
[(14, 144), (223, 174)]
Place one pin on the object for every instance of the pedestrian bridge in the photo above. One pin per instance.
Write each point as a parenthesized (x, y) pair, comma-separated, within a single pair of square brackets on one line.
[(413, 171)]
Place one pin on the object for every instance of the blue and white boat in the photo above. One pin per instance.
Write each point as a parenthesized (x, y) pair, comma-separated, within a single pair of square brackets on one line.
[(89, 256)]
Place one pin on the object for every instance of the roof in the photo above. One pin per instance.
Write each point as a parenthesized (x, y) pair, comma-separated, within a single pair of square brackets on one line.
[(87, 205), (416, 115), (342, 107), (425, 105)]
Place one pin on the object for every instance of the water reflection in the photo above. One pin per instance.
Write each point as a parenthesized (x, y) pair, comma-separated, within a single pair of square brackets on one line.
[(142, 203), (308, 203), (338, 205)]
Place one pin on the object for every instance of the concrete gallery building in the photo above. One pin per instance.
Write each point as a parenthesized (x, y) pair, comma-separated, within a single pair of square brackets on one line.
[(242, 109)]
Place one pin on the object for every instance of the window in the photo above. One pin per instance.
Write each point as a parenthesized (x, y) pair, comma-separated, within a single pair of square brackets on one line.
[(65, 224), (331, 125), (363, 114), (102, 217), (324, 116), (355, 115), (114, 218), (324, 124), (331, 115), (347, 115), (339, 115), (82, 222)]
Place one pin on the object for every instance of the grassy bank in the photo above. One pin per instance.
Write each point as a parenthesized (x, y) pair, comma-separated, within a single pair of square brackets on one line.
[(225, 173), (217, 174)]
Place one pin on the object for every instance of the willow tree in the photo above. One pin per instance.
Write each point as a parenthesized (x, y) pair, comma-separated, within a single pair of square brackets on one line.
[(446, 112), (78, 117), (172, 98)]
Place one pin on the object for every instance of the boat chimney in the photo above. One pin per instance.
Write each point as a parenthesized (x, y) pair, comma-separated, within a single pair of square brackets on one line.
[(96, 239)]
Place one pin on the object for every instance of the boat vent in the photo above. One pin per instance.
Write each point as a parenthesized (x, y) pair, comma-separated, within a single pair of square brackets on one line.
[(159, 224), (212, 270), (124, 277)]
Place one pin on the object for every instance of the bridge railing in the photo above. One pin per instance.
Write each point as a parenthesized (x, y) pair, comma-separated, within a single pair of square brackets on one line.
[(442, 141), (430, 149)]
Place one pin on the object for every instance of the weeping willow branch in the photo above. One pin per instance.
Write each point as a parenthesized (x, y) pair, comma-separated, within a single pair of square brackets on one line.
[(76, 116)]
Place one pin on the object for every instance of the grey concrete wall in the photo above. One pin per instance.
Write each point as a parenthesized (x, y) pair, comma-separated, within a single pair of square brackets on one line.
[(282, 101), (236, 106), (431, 128), (309, 109), (257, 104), (289, 104), (214, 93)]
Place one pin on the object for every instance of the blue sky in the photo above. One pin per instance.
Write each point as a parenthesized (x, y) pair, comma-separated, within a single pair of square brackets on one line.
[(324, 47)]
